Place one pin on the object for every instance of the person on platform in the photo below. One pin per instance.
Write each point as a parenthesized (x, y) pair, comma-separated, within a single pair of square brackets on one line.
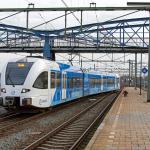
[(125, 93)]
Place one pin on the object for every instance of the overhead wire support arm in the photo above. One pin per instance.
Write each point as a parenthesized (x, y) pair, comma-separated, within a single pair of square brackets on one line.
[(75, 9)]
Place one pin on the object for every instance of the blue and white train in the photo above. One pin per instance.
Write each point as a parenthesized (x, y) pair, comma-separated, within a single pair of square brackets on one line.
[(36, 82)]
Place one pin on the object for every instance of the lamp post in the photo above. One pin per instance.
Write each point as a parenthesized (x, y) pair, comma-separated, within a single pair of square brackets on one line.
[(129, 73), (141, 76), (142, 4)]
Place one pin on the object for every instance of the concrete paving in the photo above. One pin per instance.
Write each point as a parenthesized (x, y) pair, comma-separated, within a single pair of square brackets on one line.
[(126, 126)]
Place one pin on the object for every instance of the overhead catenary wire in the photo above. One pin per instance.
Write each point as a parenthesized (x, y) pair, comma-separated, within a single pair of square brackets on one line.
[(78, 19), (116, 18), (74, 17), (45, 21), (107, 20), (11, 15)]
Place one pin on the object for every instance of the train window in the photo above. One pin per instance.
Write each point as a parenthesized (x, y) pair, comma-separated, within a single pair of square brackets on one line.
[(16, 73), (105, 81), (81, 82), (110, 81), (96, 82), (64, 81), (58, 79), (117, 82), (52, 79), (78, 82), (74, 82), (70, 83), (93, 82), (99, 82), (42, 81)]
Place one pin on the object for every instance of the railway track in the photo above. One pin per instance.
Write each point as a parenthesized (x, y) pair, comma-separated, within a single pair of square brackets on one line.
[(7, 116), (71, 133), (11, 121)]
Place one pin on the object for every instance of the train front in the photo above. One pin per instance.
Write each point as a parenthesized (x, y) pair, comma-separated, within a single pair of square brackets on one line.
[(12, 81), (24, 83)]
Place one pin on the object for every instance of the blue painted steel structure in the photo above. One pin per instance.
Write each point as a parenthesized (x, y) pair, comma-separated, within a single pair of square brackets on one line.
[(118, 33)]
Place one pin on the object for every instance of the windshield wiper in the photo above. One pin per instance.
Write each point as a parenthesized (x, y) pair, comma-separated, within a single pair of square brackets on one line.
[(8, 77)]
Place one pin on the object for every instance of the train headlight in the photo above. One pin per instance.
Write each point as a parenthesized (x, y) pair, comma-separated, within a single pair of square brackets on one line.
[(3, 90), (25, 90)]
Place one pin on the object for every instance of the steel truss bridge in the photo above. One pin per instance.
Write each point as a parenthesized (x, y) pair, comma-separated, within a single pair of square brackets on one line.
[(119, 36)]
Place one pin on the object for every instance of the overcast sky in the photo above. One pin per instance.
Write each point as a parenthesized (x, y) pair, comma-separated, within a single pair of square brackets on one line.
[(40, 17)]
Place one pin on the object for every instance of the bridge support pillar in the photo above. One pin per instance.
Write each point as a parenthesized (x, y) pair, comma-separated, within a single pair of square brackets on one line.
[(135, 80), (47, 50), (148, 85)]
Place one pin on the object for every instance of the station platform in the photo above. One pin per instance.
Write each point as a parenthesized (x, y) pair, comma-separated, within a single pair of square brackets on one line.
[(126, 126)]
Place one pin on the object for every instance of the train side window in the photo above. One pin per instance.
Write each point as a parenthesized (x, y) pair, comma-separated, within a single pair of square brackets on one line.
[(58, 79), (99, 81), (105, 80), (42, 81), (80, 82), (70, 82), (117, 82), (64, 81), (52, 79), (74, 82)]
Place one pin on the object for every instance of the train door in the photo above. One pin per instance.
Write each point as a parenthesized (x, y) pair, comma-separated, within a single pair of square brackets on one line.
[(52, 84), (41, 90), (63, 85)]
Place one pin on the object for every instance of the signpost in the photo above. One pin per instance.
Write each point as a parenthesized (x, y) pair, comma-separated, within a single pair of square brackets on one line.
[(144, 71)]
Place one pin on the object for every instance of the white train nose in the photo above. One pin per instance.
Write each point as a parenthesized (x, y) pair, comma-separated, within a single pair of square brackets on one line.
[(15, 92)]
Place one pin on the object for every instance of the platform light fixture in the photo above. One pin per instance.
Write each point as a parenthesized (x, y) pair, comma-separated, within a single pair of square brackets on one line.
[(145, 4)]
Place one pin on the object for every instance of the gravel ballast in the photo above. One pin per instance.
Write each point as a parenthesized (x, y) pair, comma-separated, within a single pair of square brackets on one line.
[(32, 130)]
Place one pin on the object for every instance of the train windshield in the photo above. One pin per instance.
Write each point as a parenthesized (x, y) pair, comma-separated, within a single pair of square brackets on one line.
[(16, 73)]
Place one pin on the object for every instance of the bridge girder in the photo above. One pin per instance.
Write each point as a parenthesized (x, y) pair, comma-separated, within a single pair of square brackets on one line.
[(119, 36), (66, 49)]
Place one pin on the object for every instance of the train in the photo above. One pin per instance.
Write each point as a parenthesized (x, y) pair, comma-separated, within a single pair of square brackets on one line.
[(33, 82)]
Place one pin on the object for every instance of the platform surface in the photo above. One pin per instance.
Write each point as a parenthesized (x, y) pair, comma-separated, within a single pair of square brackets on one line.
[(126, 126)]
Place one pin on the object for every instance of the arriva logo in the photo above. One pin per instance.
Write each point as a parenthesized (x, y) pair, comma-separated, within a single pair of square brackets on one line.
[(13, 92)]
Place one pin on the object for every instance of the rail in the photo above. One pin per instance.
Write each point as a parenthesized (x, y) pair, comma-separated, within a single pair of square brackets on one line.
[(78, 127)]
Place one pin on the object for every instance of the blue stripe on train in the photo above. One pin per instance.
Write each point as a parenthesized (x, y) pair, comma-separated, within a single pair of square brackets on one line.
[(74, 93)]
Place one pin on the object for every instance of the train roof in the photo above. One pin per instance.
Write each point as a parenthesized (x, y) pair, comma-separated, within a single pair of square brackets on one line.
[(69, 68), (65, 67)]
